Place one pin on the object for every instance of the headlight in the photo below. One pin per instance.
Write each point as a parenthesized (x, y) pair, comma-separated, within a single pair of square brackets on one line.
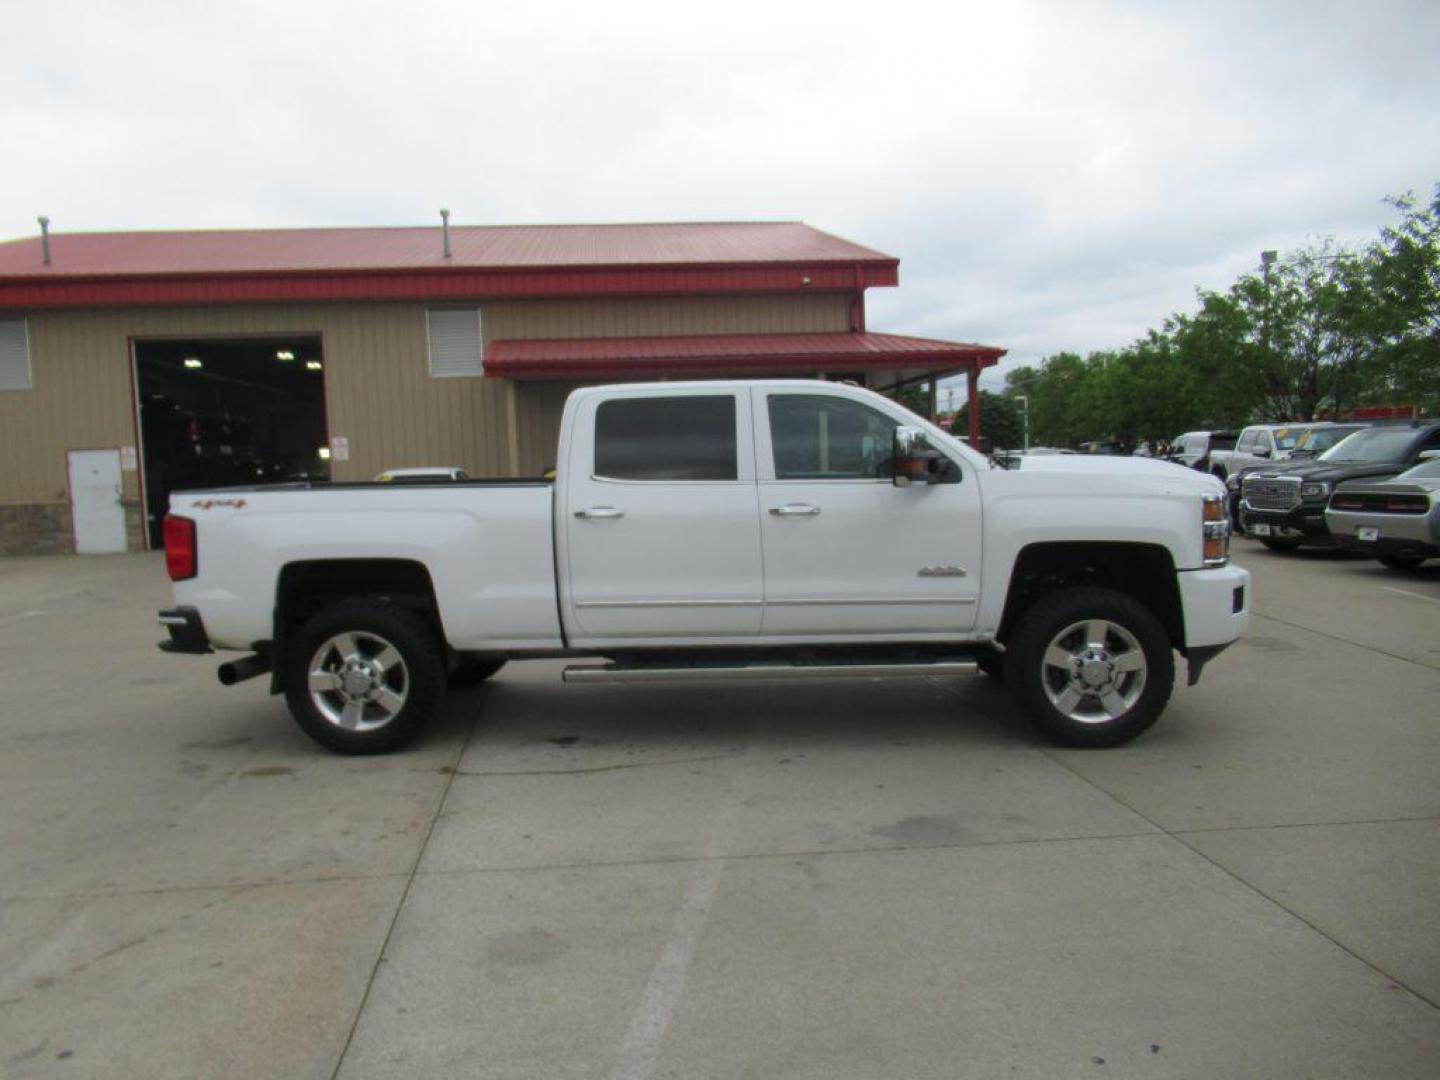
[(1215, 531), (1232, 482), (1317, 490)]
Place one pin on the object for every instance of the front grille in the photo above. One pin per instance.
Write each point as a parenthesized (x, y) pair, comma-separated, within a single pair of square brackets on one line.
[(1376, 503), (1267, 493)]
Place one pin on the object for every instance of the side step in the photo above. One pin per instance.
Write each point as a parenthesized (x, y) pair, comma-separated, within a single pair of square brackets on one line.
[(760, 671)]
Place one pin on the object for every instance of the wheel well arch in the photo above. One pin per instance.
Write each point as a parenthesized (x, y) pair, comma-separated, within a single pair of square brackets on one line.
[(306, 587), (1145, 572)]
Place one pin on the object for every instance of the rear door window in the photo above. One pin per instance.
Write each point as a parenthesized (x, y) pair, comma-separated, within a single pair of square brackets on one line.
[(688, 437)]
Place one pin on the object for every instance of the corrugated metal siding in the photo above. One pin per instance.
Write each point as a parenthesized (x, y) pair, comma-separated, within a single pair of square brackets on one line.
[(379, 394), (528, 320), (378, 390)]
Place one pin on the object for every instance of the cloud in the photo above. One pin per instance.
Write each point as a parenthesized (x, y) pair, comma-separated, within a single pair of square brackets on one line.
[(1052, 175)]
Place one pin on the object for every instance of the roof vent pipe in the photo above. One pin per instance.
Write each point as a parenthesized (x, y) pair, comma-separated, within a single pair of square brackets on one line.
[(44, 238), (445, 230)]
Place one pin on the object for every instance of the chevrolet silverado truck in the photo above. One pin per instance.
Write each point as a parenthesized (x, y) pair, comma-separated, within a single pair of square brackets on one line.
[(715, 531)]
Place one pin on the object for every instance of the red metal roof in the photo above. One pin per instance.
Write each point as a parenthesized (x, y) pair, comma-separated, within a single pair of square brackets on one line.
[(252, 266), (475, 247), (729, 353)]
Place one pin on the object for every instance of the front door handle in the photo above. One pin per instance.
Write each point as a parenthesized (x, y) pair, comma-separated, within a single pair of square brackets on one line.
[(599, 513), (795, 510)]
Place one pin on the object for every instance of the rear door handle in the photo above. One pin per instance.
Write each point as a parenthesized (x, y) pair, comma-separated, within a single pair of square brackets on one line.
[(599, 513), (795, 510)]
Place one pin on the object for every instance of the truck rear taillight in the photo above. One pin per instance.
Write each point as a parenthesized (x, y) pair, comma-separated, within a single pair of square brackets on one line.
[(181, 559)]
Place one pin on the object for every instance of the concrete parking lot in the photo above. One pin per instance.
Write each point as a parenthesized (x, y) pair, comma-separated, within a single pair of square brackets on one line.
[(835, 880)]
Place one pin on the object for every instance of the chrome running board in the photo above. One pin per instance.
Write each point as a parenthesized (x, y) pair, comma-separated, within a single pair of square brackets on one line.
[(761, 671)]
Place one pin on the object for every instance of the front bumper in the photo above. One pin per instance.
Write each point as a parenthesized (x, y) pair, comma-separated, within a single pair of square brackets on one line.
[(187, 631), (1305, 523), (1216, 605)]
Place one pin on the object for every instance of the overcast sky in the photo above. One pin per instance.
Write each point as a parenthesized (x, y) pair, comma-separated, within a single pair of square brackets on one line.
[(1051, 175)]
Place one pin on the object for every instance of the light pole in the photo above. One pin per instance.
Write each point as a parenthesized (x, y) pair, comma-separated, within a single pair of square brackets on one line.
[(1024, 400)]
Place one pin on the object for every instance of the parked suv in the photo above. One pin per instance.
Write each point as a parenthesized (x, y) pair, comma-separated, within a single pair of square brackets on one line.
[(1193, 449), (1284, 506)]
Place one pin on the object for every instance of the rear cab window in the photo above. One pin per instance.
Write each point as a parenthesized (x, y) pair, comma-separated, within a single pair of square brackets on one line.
[(667, 438)]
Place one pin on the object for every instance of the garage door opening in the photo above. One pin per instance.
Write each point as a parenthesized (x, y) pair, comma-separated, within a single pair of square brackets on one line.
[(216, 412)]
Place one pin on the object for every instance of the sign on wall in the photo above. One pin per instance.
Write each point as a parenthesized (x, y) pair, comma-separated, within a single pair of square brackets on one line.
[(339, 448)]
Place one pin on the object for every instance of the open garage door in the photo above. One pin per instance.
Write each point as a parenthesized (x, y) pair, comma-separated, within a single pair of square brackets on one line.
[(216, 412)]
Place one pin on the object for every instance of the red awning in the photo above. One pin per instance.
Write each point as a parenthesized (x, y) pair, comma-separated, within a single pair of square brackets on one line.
[(731, 354)]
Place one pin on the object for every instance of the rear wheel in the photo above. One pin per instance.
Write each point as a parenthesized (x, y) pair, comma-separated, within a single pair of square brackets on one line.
[(363, 677), (1402, 562), (1091, 667)]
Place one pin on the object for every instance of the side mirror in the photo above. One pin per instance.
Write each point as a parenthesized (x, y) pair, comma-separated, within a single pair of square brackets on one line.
[(913, 460), (1262, 453)]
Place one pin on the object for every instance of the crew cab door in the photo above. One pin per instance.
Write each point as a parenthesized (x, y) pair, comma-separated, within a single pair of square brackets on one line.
[(848, 553), (659, 532)]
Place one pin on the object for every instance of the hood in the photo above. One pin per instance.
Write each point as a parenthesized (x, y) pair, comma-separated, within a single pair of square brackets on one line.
[(1332, 472), (1100, 471)]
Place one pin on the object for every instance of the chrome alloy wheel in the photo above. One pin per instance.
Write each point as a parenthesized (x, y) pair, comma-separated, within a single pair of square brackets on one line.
[(1093, 671), (358, 681)]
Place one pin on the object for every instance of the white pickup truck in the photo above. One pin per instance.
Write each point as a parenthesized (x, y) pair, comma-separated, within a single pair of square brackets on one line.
[(718, 530)]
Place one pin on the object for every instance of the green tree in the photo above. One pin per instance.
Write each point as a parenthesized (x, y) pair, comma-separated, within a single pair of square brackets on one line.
[(1404, 281), (1000, 421)]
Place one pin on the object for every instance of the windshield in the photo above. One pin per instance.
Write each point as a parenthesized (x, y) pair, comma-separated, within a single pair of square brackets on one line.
[(1426, 470), (1372, 444), (1318, 440)]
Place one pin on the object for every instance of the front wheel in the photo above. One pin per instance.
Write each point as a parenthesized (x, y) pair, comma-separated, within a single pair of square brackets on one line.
[(363, 677), (1091, 667)]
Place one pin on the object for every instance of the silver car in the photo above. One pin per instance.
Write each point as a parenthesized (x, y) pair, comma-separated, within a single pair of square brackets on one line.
[(1396, 521)]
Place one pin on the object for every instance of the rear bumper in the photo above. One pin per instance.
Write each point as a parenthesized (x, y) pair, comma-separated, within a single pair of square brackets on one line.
[(1216, 605), (187, 631), (1391, 534)]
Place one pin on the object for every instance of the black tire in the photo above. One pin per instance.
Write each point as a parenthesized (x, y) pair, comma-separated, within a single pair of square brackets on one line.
[(474, 672), (1281, 545), (1133, 636), (403, 690), (1401, 562), (991, 662)]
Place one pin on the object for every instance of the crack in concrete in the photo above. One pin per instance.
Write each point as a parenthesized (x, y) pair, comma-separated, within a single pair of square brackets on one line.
[(597, 768)]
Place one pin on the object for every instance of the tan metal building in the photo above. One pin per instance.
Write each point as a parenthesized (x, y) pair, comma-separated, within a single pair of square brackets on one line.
[(133, 364)]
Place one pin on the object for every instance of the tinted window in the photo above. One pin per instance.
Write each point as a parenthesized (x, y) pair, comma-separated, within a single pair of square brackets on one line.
[(1390, 444), (666, 438), (816, 437)]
